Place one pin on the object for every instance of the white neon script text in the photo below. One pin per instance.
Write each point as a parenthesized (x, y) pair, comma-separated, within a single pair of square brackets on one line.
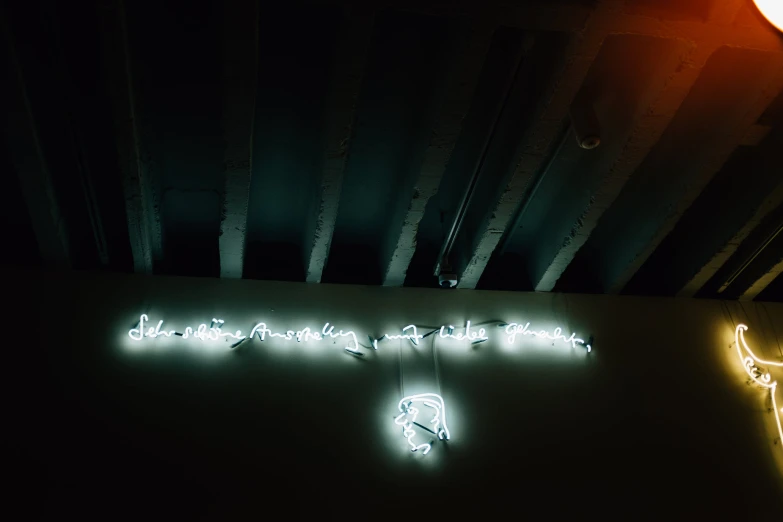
[(413, 336), (214, 332), (514, 329), (480, 335), (202, 331), (759, 376)]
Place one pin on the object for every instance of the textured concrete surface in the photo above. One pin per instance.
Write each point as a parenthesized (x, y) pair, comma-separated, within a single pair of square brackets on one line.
[(240, 77), (142, 202), (444, 136), (579, 57), (349, 70), (30, 165), (332, 142), (706, 272)]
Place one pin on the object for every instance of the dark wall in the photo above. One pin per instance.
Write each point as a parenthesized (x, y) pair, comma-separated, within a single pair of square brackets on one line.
[(656, 423)]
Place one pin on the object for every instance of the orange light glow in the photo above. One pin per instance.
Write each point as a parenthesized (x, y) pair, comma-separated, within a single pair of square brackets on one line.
[(772, 11)]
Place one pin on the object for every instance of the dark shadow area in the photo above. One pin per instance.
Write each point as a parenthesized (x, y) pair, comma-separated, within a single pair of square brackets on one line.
[(274, 261), (773, 292), (190, 255), (519, 61), (506, 272), (353, 264), (744, 252), (408, 56), (760, 266), (176, 61), (582, 278), (295, 62), (574, 180), (673, 171), (729, 201), (22, 247), (59, 46), (420, 270), (539, 64)]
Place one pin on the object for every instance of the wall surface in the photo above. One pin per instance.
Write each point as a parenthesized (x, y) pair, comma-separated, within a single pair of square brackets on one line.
[(658, 421)]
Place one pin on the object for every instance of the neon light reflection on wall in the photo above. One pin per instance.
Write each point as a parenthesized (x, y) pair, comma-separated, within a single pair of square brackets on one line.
[(759, 376)]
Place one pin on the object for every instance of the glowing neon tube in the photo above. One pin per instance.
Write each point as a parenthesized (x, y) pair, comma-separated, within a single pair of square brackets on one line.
[(409, 414), (514, 329), (759, 376), (214, 332)]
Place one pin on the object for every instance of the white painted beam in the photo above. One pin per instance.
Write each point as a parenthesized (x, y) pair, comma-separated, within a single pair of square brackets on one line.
[(647, 129), (762, 282), (347, 74), (31, 168), (538, 140), (142, 205), (443, 138), (240, 75), (705, 273)]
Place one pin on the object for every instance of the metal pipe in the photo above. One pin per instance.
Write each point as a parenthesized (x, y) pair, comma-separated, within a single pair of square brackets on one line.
[(467, 196), (752, 258)]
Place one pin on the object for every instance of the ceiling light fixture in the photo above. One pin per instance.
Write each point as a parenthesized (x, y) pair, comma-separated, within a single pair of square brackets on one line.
[(772, 11)]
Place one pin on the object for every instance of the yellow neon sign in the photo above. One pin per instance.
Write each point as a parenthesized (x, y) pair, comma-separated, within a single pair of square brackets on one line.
[(757, 373)]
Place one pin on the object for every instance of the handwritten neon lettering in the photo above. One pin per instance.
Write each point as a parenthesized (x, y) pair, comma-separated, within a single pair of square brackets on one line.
[(409, 414), (481, 335), (759, 376), (306, 334), (514, 329), (214, 332), (413, 336)]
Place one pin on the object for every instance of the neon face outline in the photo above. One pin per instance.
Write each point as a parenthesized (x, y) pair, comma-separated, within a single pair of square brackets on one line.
[(514, 329), (759, 376), (431, 401)]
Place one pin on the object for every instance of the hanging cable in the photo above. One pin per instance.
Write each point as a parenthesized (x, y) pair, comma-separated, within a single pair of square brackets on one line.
[(402, 377), (436, 365), (752, 258)]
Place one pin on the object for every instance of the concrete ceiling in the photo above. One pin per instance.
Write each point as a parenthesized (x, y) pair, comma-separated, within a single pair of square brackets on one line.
[(333, 142)]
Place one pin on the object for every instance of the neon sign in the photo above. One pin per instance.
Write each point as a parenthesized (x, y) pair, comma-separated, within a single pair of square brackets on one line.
[(760, 376), (409, 413), (474, 337), (413, 410), (514, 329), (214, 332)]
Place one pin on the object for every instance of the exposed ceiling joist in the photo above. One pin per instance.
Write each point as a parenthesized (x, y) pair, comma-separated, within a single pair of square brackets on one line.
[(706, 272), (710, 33), (537, 144), (753, 99), (348, 71), (659, 101), (240, 62), (757, 286), (142, 204), (31, 168), (445, 134)]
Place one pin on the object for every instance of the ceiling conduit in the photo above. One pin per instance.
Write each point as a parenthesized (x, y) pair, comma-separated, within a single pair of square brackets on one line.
[(442, 264)]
